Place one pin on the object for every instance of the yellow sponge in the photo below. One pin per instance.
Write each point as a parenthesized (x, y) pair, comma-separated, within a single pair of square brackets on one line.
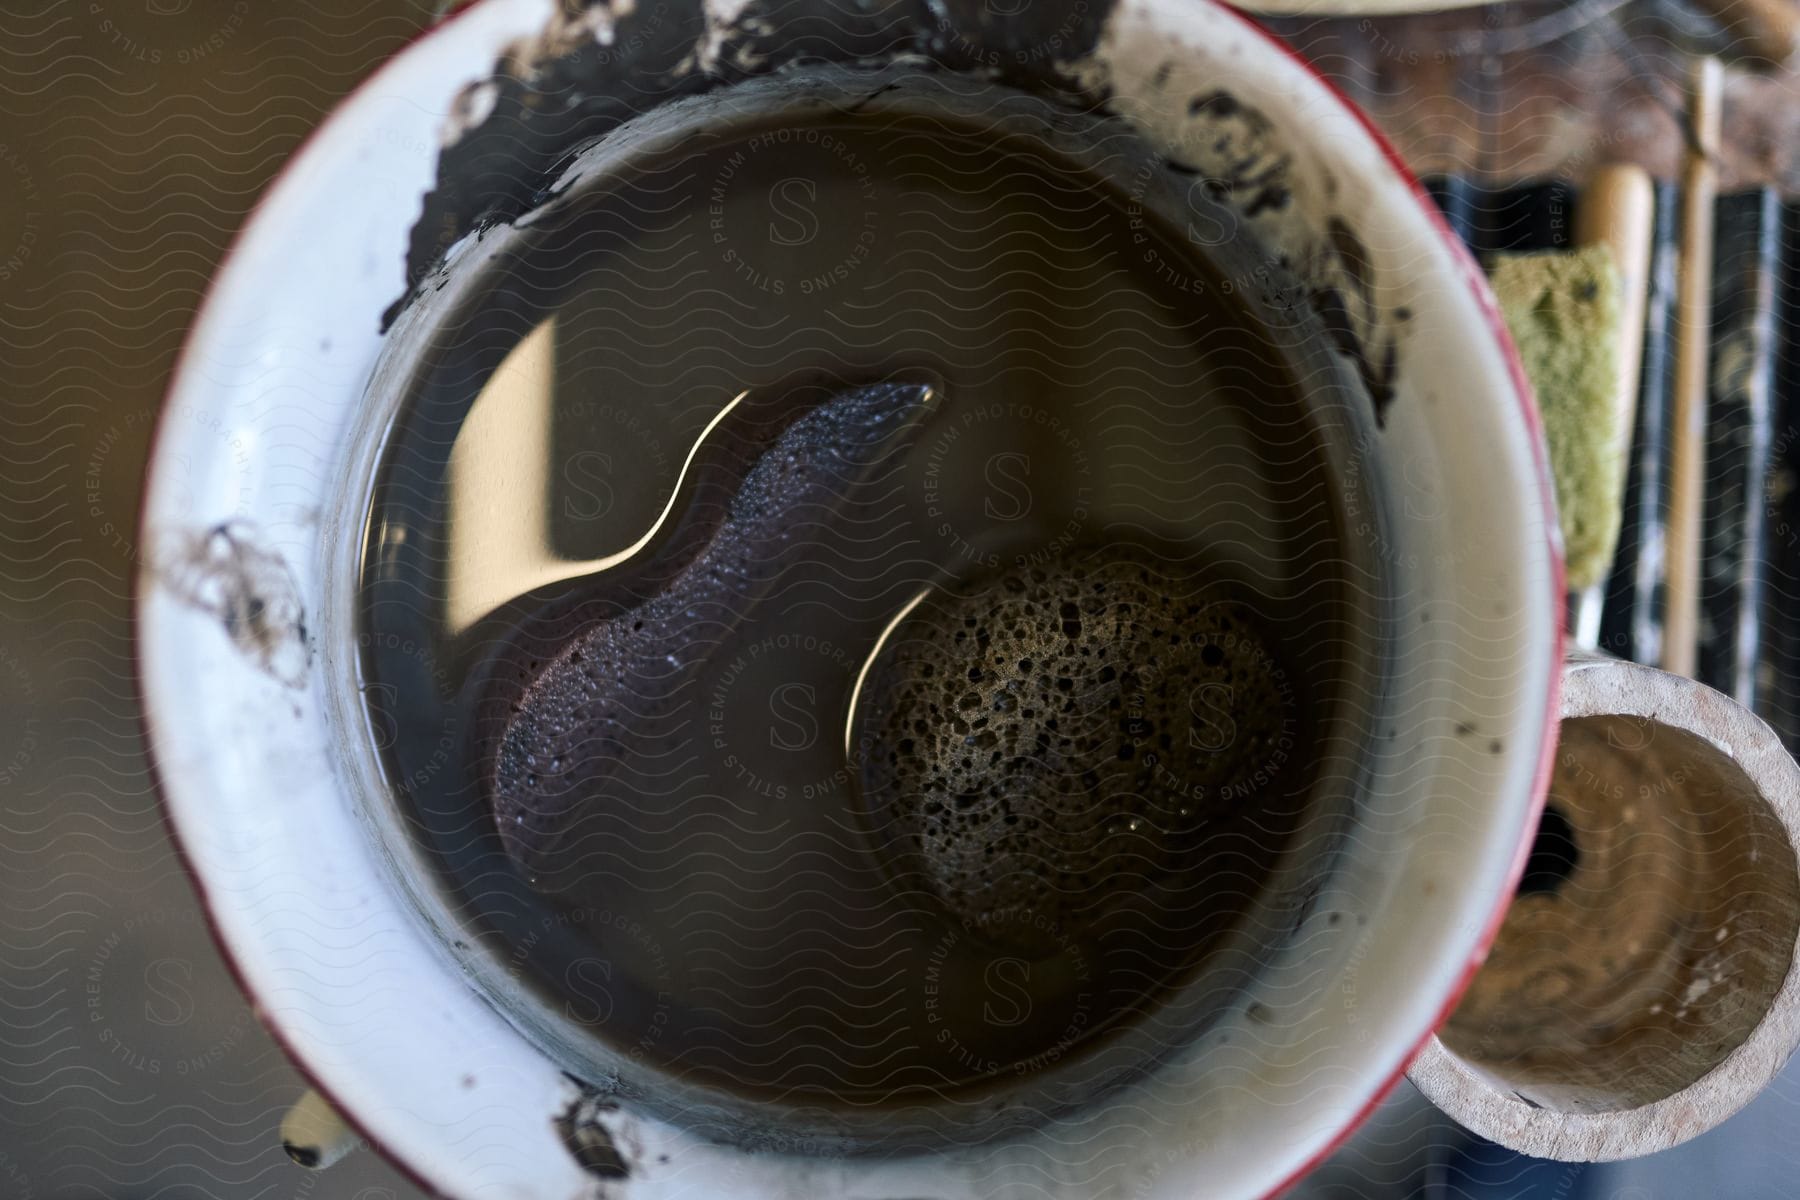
[(1563, 309)]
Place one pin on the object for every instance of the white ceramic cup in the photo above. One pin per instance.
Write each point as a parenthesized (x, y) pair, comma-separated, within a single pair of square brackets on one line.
[(253, 518)]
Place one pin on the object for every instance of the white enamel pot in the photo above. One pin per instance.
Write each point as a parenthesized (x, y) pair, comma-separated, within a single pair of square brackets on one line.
[(254, 513)]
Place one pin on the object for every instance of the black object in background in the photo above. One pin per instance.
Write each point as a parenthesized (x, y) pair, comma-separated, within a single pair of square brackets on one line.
[(1459, 201), (1518, 220), (1739, 436), (1526, 219), (1631, 619), (1778, 682)]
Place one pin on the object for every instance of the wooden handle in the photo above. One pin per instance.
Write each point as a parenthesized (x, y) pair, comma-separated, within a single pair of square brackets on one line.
[(1693, 345), (1762, 32), (1617, 209)]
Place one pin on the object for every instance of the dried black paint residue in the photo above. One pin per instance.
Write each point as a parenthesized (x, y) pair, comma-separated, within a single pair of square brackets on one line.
[(1376, 359), (1241, 159), (569, 88), (588, 1140), (222, 571), (1378, 374), (1241, 155), (1353, 256), (545, 108), (1376, 367)]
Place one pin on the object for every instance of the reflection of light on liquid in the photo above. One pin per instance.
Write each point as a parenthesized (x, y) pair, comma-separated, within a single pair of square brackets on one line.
[(862, 675), (499, 543), (499, 520)]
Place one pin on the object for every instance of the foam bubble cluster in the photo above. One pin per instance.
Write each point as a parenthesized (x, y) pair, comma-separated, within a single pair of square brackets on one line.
[(1044, 742)]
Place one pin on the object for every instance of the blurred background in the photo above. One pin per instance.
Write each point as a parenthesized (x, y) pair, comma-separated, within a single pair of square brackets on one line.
[(135, 136)]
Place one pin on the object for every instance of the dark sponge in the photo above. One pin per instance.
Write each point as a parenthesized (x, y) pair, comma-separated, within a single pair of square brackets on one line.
[(1043, 742), (588, 718)]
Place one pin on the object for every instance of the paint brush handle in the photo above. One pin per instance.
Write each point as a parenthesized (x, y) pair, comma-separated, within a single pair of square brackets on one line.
[(1616, 210), (1693, 348), (1762, 32)]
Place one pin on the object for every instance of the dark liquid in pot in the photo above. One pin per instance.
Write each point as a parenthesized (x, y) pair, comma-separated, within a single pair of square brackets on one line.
[(1067, 769)]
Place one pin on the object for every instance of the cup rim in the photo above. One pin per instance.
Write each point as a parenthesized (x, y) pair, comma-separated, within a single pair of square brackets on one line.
[(258, 229), (1528, 409)]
